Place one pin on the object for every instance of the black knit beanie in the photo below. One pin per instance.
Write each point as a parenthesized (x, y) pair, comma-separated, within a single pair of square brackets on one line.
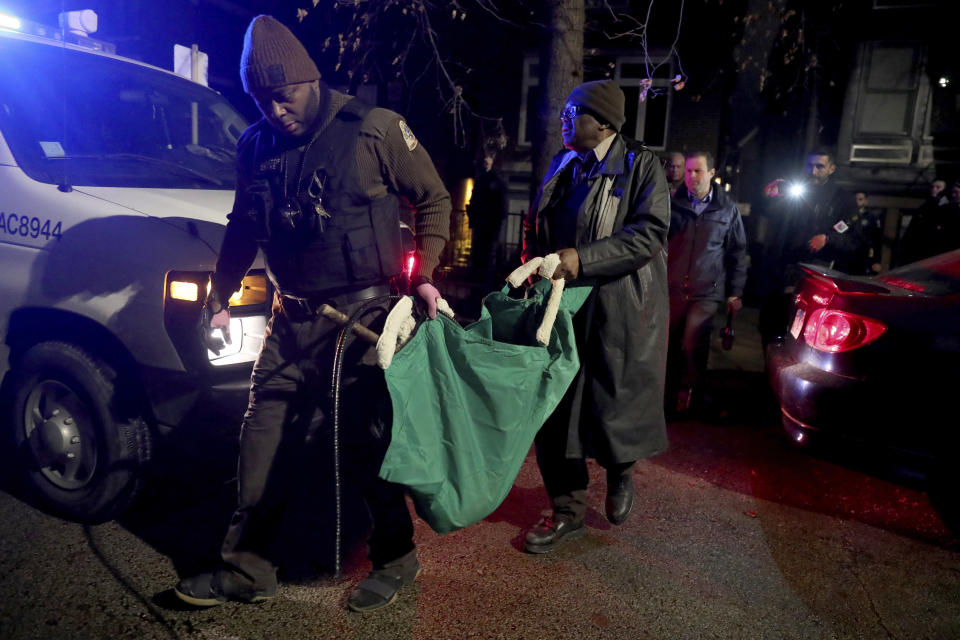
[(272, 57), (602, 97)]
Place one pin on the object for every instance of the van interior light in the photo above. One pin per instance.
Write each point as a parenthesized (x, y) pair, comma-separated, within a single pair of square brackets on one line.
[(218, 349), (80, 23), (8, 21), (180, 290), (253, 290)]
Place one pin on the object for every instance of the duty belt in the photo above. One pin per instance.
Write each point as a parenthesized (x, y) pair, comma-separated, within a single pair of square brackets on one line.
[(309, 306)]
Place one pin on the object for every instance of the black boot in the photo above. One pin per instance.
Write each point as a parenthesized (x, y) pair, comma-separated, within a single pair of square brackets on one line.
[(619, 501)]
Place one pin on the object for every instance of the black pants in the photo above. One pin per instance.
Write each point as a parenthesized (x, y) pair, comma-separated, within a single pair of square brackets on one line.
[(691, 324), (483, 255), (565, 478), (289, 403)]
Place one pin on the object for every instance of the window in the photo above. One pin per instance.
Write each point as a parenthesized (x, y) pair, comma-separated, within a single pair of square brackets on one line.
[(648, 119), (84, 119), (529, 97), (889, 92), (891, 103)]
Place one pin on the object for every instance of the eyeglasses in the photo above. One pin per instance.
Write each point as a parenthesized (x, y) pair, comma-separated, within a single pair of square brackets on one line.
[(570, 112)]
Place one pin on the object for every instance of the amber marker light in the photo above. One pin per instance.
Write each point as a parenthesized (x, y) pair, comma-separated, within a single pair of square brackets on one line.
[(180, 290)]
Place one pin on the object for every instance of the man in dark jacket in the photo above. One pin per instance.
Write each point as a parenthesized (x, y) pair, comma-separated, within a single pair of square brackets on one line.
[(707, 266), (868, 224), (604, 209), (812, 224), (319, 181), (934, 227), (486, 213), (816, 220)]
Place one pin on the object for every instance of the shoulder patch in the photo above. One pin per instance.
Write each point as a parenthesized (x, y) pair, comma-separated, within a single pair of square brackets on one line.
[(408, 136)]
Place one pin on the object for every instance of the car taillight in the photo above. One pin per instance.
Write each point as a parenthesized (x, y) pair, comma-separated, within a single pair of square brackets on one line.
[(411, 263), (834, 331)]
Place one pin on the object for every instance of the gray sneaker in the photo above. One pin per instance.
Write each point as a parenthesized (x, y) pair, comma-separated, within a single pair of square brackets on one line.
[(382, 586), (211, 589)]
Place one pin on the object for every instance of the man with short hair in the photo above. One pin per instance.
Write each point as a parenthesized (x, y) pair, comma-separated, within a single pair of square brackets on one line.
[(320, 178), (604, 209), (932, 227), (818, 232), (811, 225), (673, 168), (707, 266), (938, 190)]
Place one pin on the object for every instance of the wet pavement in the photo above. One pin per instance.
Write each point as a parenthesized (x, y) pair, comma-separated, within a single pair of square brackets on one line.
[(734, 534)]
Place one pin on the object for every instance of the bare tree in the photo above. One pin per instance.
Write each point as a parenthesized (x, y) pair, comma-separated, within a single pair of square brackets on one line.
[(386, 40), (415, 41), (561, 69)]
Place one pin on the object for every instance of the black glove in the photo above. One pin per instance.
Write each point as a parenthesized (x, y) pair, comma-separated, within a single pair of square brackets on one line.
[(216, 324)]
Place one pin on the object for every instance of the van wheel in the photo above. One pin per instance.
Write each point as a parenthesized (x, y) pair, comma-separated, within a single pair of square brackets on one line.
[(75, 450)]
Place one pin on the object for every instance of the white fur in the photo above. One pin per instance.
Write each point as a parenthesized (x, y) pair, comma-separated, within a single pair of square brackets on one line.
[(550, 263), (524, 271), (543, 267), (444, 307), (387, 344), (400, 324), (550, 314), (399, 327)]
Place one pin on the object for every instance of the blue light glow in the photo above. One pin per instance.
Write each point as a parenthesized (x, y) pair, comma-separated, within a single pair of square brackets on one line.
[(8, 21)]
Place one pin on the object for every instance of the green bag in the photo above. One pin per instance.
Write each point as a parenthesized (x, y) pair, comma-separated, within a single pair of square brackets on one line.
[(468, 401)]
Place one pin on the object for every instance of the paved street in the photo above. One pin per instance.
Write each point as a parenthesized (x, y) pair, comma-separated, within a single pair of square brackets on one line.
[(734, 535)]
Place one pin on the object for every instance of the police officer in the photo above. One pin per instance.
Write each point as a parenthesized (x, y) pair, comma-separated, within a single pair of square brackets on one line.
[(812, 226), (318, 184)]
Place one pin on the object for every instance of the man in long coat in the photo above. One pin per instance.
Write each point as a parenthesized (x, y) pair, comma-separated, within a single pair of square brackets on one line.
[(604, 207)]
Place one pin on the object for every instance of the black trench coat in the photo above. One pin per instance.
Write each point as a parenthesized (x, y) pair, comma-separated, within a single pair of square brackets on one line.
[(617, 399)]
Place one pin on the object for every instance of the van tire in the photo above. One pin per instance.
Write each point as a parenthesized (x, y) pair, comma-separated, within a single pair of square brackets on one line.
[(77, 451)]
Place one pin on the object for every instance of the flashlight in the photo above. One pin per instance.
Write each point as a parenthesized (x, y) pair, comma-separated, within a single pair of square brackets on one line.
[(796, 190)]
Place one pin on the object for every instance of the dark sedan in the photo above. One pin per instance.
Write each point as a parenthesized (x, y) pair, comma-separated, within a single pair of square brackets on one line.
[(874, 359)]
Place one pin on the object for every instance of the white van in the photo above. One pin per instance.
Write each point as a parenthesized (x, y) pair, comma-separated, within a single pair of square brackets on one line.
[(115, 181)]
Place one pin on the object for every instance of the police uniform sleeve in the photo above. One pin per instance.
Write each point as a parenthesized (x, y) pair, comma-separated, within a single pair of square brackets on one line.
[(238, 248), (408, 171), (844, 237)]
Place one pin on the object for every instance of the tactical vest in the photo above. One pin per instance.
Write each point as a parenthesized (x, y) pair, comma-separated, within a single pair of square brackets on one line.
[(358, 245)]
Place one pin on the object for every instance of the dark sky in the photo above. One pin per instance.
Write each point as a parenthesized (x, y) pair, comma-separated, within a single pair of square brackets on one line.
[(148, 29)]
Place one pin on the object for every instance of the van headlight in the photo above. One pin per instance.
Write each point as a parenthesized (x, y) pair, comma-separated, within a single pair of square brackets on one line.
[(184, 295)]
